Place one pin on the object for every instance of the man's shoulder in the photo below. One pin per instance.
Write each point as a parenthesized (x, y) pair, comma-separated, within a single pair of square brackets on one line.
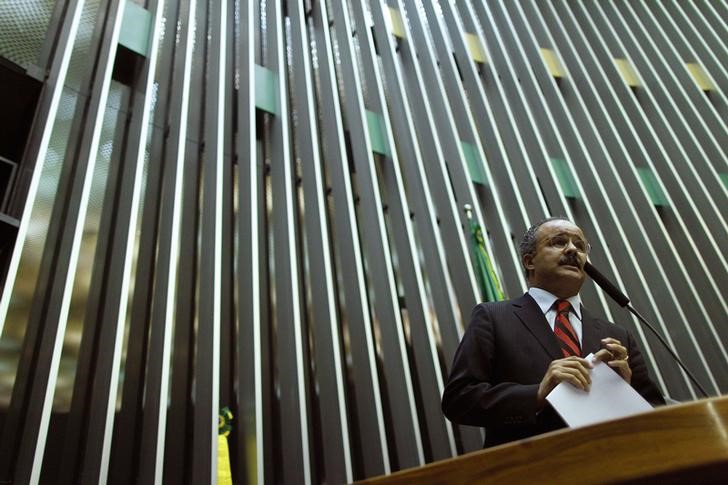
[(496, 307), (500, 304)]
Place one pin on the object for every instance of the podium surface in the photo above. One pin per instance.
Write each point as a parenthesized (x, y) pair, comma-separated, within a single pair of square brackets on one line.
[(683, 443)]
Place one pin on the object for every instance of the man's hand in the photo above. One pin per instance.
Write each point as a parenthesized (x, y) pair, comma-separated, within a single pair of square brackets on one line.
[(615, 355), (573, 370)]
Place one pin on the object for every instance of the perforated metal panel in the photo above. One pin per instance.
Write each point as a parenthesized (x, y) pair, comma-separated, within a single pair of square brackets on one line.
[(23, 26)]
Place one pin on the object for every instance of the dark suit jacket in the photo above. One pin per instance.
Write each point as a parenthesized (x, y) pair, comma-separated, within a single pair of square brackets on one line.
[(501, 360)]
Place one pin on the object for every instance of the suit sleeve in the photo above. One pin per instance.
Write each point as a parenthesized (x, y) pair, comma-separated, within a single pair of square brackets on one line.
[(472, 395)]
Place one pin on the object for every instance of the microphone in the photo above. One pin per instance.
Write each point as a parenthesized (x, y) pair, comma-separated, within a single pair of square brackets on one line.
[(622, 300), (606, 285)]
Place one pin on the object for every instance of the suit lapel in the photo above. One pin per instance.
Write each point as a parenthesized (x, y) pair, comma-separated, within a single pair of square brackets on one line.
[(529, 313), (591, 333)]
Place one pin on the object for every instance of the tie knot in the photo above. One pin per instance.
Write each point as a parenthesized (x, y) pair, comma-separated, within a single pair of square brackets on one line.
[(563, 306)]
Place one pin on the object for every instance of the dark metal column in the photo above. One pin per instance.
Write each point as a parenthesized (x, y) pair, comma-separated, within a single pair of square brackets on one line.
[(372, 456), (94, 398), (329, 374), (407, 432), (291, 335), (207, 359), (62, 250), (154, 419), (252, 400)]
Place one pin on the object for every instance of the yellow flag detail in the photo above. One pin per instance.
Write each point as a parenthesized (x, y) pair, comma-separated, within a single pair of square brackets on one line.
[(224, 474)]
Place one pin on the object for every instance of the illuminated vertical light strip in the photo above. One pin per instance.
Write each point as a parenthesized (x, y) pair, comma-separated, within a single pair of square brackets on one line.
[(254, 249), (700, 148), (669, 159), (403, 65), (407, 437), (450, 85), (707, 107), (685, 44), (337, 451), (173, 256), (292, 363), (90, 155), (249, 368), (584, 196), (481, 108), (372, 430), (56, 79), (683, 317), (717, 214), (716, 39), (462, 184), (130, 238), (217, 263), (602, 189), (685, 274), (689, 129), (487, 15), (541, 202), (206, 371), (649, 246), (151, 466), (430, 195)]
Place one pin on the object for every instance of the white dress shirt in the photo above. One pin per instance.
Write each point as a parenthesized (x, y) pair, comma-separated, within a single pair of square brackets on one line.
[(546, 300)]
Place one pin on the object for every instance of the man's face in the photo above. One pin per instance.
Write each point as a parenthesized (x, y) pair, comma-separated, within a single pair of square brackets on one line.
[(557, 265)]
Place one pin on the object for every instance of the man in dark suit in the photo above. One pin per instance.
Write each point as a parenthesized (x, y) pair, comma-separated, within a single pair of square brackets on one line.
[(515, 352)]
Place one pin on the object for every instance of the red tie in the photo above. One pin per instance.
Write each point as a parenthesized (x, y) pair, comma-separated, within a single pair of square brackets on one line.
[(565, 334)]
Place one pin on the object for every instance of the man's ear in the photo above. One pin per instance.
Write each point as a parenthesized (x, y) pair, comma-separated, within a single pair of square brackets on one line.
[(527, 262)]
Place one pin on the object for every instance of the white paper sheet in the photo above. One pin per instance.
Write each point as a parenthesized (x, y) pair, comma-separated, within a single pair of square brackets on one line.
[(610, 397)]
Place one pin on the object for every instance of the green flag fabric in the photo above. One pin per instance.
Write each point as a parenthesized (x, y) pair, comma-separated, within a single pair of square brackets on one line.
[(489, 286)]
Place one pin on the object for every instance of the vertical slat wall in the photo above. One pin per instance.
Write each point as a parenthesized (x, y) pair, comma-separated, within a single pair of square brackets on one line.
[(276, 221)]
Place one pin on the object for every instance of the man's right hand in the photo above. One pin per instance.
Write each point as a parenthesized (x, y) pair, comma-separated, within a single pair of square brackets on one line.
[(573, 370)]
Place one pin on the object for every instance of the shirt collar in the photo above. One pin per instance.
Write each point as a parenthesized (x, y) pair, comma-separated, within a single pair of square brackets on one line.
[(545, 300)]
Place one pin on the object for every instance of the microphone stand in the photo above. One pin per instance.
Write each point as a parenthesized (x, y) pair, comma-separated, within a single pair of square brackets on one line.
[(672, 352), (623, 301)]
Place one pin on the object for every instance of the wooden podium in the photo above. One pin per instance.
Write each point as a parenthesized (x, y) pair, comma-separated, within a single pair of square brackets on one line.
[(684, 443)]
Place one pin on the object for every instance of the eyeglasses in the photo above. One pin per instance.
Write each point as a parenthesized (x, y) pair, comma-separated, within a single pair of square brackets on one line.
[(561, 241)]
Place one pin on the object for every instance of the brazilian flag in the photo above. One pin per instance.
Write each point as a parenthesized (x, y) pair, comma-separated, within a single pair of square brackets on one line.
[(224, 475), (489, 286)]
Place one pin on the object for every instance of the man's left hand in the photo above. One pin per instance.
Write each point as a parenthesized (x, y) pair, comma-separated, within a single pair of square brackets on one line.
[(616, 357)]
